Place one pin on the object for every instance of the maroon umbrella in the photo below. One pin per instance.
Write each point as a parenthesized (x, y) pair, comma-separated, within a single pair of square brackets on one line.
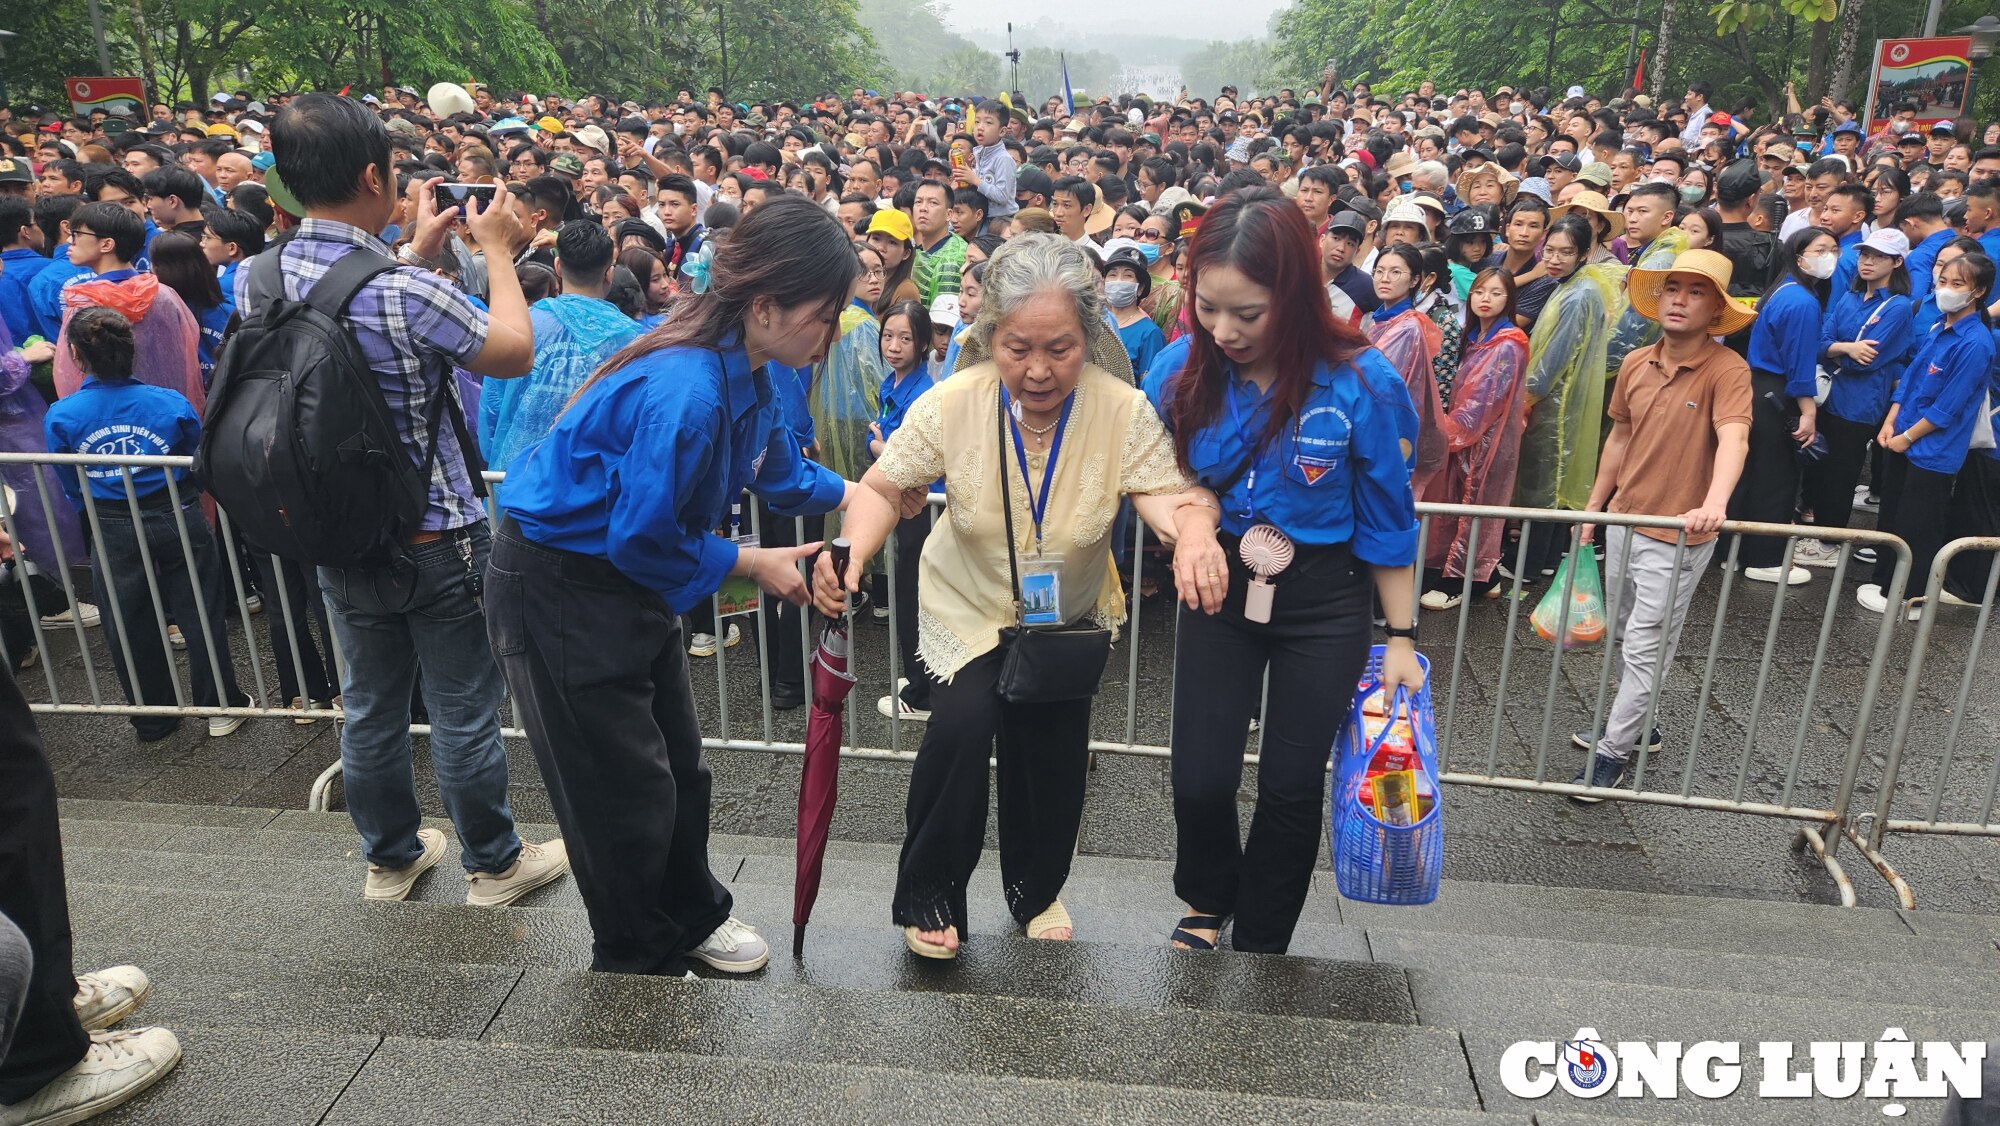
[(819, 782)]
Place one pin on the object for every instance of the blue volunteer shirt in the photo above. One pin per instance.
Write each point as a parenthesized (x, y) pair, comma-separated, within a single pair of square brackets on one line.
[(18, 267), (1860, 392), (898, 396), (45, 293), (121, 418), (1785, 338), (1922, 259), (1166, 365), (792, 387), (1952, 368), (642, 468), (214, 322), (1844, 267), (1339, 474)]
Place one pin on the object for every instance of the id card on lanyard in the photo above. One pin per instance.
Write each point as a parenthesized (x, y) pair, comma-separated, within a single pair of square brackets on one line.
[(1041, 576)]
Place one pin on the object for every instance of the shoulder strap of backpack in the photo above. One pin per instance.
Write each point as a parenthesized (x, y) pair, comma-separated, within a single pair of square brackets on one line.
[(331, 293)]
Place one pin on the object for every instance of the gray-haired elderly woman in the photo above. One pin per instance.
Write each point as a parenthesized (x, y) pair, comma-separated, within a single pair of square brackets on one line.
[(1076, 440)]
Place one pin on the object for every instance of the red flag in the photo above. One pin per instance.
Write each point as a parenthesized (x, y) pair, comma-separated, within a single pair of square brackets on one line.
[(1639, 75), (345, 89)]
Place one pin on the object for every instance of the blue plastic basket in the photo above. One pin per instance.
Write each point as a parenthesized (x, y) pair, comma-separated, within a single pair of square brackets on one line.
[(1373, 861)]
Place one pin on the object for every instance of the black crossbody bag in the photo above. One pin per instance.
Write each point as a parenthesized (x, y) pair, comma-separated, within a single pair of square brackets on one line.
[(1045, 664)]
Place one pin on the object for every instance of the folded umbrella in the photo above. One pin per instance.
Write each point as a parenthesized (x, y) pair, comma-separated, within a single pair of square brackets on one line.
[(819, 781)]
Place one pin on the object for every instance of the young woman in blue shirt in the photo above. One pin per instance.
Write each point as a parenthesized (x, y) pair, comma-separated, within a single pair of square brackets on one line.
[(1864, 341), (1305, 434), (1784, 383), (1929, 428), (906, 333), (607, 538)]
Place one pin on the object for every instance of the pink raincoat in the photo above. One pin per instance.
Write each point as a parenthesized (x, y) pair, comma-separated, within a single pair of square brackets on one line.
[(1411, 340), (1483, 430), (163, 335)]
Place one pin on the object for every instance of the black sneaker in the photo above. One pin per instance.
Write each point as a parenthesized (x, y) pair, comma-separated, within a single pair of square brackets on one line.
[(1587, 740), (1605, 773)]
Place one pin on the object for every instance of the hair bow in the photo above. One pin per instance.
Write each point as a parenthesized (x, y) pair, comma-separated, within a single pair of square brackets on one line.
[(695, 269)]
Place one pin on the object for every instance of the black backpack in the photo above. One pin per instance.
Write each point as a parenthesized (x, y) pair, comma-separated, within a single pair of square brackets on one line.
[(298, 445)]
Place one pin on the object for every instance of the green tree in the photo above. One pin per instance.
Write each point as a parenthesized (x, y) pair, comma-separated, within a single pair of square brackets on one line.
[(964, 72), (1091, 72), (1251, 65)]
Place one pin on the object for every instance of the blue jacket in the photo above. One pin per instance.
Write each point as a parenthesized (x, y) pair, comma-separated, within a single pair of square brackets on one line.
[(122, 418), (640, 470), (1338, 474), (1844, 267), (898, 396), (45, 293), (1785, 338), (1861, 391), (214, 322), (18, 267), (1922, 258), (1944, 384)]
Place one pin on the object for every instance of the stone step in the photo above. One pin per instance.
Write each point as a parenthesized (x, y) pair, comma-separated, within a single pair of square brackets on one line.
[(117, 923), (1494, 1010), (367, 993), (505, 1085), (1798, 969)]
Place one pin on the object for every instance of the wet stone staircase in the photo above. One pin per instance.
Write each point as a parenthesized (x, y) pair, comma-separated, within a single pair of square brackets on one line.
[(298, 1003)]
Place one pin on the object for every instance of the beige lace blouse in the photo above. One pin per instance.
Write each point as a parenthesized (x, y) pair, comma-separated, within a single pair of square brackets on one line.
[(1114, 445)]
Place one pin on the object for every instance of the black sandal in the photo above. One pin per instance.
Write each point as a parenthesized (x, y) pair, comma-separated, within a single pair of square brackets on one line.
[(1204, 922)]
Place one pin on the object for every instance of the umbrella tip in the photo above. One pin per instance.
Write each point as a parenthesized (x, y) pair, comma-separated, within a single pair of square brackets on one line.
[(798, 940)]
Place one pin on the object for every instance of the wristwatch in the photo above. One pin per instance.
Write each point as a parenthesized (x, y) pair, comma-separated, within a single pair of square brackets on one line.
[(1409, 631)]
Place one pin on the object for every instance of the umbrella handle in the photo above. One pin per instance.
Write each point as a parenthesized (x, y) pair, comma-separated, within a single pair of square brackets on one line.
[(842, 550)]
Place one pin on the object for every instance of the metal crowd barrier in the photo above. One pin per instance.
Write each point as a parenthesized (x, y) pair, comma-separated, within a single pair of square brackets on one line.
[(1806, 777), (1924, 795)]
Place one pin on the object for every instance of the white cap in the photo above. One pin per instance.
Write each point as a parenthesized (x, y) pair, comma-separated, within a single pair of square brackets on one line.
[(1113, 246), (1406, 210), (944, 310), (1889, 241), (1574, 92)]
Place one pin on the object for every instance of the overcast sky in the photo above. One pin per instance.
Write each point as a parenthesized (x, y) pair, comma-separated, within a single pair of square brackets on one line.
[(1193, 19)]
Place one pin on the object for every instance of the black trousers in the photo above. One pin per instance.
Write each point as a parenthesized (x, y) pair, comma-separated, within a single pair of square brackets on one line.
[(784, 644), (1916, 505), (1043, 753), (910, 537), (1315, 646), (1830, 481), (1768, 491), (293, 615), (1975, 511), (599, 670), (49, 1040)]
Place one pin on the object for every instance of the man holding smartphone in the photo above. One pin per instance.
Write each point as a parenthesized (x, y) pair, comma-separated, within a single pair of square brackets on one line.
[(411, 327)]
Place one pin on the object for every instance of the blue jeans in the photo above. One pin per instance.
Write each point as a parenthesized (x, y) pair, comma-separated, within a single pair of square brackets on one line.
[(387, 623)]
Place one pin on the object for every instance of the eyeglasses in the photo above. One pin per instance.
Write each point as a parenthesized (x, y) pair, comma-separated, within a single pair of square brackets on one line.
[(75, 234), (876, 274)]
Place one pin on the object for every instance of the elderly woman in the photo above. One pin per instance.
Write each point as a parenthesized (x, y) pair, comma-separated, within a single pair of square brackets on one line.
[(1037, 446)]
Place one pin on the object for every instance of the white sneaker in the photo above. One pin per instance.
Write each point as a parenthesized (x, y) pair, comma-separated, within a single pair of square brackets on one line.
[(701, 645), (1950, 599), (117, 1066), (734, 948), (537, 865), (1815, 553), (880, 613), (1873, 600), (31, 657), (86, 610), (254, 602), (893, 706), (390, 884), (175, 638), (221, 725), (1795, 577), (1440, 600), (110, 995)]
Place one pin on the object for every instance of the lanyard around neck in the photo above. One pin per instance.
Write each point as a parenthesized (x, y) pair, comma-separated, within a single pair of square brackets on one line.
[(1037, 504)]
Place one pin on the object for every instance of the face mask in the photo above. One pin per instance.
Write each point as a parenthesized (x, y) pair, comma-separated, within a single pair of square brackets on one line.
[(1150, 251), (1121, 294), (1821, 266), (1405, 187), (679, 128), (1515, 108), (1692, 193), (1952, 300)]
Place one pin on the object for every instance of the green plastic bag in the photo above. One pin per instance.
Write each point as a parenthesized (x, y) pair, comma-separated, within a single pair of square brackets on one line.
[(1585, 624)]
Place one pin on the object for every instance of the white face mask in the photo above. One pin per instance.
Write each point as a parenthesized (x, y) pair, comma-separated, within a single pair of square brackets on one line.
[(1952, 300), (1515, 108), (679, 128), (1121, 294), (1819, 266)]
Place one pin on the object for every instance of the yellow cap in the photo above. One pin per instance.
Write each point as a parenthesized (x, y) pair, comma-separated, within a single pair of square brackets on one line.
[(893, 223)]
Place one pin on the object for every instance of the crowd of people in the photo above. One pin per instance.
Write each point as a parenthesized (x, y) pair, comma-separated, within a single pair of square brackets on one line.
[(1265, 327)]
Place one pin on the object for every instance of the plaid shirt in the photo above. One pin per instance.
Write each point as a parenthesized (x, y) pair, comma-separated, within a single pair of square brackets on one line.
[(937, 270), (412, 326)]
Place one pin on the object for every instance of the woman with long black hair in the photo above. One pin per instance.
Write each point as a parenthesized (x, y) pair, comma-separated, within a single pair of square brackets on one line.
[(1784, 412), (608, 536), (1305, 435)]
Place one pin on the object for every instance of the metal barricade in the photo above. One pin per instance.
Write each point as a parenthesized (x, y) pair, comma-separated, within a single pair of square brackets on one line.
[(1932, 803), (1508, 701)]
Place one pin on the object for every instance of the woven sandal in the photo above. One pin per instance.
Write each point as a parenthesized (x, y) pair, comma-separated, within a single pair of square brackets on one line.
[(924, 949), (1053, 917)]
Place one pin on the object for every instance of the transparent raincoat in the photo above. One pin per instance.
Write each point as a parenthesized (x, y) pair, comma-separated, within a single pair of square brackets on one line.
[(1565, 384), (847, 395)]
